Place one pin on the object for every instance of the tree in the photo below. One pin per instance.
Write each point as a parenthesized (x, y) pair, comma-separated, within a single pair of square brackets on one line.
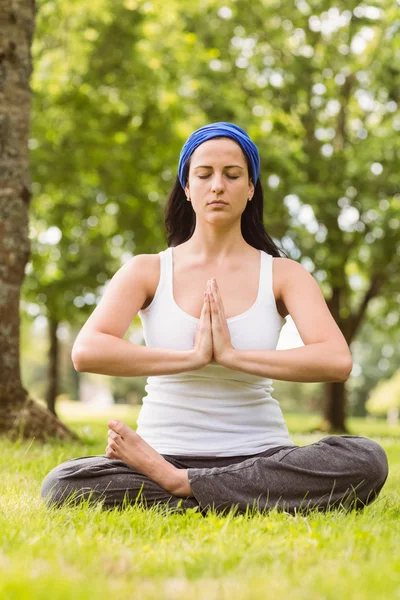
[(92, 168), (314, 85), (18, 413), (327, 86), (376, 355), (385, 398)]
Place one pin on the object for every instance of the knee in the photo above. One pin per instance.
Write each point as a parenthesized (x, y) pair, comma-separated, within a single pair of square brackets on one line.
[(63, 484), (53, 487), (75, 480), (374, 463)]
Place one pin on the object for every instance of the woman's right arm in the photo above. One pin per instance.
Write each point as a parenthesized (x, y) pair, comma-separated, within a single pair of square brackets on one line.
[(105, 354), (99, 347)]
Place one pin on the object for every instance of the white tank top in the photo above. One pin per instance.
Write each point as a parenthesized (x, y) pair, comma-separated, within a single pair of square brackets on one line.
[(211, 411)]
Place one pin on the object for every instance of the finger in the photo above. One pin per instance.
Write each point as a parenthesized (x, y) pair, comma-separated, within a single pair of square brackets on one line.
[(215, 291), (213, 301), (214, 288), (215, 315), (210, 286), (205, 311), (213, 309), (218, 298)]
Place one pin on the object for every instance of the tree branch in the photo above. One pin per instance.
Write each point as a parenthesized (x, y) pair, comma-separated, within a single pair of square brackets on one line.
[(377, 281)]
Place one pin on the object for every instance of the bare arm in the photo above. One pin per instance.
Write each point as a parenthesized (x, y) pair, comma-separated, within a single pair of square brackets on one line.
[(325, 355), (310, 363), (108, 355), (99, 347)]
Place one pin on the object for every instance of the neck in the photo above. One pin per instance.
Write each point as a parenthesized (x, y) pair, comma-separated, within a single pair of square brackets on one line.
[(216, 244)]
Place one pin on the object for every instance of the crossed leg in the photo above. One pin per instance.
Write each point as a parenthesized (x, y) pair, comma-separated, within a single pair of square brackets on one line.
[(337, 470), (110, 481), (346, 471), (126, 445)]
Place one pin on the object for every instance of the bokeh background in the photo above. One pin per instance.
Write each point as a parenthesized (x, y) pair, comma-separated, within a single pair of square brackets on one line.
[(118, 86)]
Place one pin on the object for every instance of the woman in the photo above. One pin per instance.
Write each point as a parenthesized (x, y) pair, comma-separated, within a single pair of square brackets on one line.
[(212, 305)]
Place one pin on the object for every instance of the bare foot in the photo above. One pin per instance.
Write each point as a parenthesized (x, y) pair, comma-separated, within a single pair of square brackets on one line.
[(126, 445)]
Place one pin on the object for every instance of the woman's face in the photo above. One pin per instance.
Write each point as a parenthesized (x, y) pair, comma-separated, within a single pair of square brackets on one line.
[(218, 171)]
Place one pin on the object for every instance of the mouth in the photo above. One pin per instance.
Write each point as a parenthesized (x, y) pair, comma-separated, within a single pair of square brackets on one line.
[(217, 204)]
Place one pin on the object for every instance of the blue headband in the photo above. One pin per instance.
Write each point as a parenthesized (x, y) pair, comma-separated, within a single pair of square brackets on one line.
[(219, 129)]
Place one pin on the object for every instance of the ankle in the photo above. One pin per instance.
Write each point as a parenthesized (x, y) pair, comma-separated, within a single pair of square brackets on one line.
[(181, 486)]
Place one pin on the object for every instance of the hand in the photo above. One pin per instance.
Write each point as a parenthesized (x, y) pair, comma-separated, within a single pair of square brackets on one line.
[(221, 337), (203, 347)]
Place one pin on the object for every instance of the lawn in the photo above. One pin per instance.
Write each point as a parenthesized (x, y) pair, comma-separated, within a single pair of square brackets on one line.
[(86, 553)]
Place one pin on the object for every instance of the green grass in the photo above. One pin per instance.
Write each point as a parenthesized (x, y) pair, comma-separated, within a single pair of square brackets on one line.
[(83, 552)]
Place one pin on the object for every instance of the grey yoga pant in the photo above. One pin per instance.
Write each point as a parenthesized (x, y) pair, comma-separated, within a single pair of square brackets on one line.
[(346, 471)]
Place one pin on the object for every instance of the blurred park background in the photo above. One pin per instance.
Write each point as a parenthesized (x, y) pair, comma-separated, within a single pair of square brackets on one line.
[(118, 86), (115, 89)]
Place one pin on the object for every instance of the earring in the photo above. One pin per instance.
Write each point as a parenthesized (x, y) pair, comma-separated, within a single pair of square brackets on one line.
[(188, 198)]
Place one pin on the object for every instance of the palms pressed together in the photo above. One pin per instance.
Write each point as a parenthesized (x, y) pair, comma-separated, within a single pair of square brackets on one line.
[(212, 341)]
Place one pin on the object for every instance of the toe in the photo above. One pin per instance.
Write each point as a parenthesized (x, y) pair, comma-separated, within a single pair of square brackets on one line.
[(118, 427), (115, 436)]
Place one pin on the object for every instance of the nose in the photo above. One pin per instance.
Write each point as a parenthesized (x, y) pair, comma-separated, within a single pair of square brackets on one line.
[(217, 183)]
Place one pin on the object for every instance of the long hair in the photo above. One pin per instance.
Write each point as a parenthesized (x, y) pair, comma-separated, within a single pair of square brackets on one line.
[(180, 218)]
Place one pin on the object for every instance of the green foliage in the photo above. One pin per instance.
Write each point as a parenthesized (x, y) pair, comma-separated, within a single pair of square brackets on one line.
[(385, 396), (376, 356), (118, 86)]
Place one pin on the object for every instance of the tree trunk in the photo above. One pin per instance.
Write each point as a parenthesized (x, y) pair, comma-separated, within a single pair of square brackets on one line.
[(335, 408), (19, 415), (334, 417), (336, 397), (53, 385)]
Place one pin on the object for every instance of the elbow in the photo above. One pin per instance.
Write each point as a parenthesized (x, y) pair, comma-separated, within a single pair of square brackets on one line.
[(346, 368), (77, 359)]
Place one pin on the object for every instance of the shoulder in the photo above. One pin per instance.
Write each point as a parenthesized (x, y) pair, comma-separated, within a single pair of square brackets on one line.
[(289, 274), (287, 266), (146, 268), (143, 261)]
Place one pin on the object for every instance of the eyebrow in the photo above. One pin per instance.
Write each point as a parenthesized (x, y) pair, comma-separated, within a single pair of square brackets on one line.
[(209, 167)]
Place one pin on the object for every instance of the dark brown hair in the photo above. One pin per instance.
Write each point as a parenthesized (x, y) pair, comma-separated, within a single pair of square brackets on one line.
[(180, 218)]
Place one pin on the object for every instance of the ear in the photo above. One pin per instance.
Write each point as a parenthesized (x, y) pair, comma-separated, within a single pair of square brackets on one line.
[(251, 188)]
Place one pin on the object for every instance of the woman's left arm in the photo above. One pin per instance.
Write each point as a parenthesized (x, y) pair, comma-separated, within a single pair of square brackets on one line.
[(325, 355)]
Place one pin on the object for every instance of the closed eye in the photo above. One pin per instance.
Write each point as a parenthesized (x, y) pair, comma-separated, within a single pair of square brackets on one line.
[(230, 176)]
